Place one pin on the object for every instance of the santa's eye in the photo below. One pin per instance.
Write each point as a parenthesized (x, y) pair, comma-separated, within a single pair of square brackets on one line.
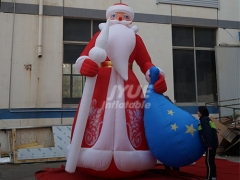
[(113, 15), (126, 16)]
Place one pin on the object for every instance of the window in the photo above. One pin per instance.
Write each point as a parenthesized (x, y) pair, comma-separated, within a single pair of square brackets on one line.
[(201, 3), (76, 35), (194, 64)]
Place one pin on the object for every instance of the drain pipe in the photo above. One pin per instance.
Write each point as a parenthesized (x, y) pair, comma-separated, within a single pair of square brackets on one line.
[(11, 59), (40, 22)]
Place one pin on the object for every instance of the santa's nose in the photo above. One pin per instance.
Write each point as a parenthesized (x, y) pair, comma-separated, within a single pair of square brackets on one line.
[(120, 18)]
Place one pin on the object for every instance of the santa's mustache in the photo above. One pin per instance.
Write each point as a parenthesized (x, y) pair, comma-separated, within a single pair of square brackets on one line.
[(123, 22)]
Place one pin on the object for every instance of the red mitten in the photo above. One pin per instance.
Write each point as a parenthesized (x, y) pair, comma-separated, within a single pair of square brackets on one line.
[(89, 68), (160, 86)]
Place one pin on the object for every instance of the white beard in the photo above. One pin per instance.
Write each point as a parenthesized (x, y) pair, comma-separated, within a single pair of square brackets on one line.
[(121, 43)]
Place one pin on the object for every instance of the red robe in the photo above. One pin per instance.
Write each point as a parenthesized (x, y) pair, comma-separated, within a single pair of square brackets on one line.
[(114, 142)]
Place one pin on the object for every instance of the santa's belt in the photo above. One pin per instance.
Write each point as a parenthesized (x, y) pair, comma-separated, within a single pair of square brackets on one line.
[(108, 64)]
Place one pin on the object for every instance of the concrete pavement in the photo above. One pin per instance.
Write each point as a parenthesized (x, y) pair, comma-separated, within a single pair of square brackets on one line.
[(27, 171), (24, 171)]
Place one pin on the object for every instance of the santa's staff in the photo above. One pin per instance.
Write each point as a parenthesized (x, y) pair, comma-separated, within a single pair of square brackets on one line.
[(97, 54)]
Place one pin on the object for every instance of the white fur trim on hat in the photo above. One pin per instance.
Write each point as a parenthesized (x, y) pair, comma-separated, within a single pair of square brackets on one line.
[(120, 7)]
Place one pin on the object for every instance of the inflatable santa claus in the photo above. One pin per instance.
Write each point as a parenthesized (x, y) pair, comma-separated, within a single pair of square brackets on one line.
[(114, 143)]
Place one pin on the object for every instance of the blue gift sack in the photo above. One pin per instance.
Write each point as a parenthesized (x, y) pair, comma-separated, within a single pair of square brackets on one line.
[(172, 133)]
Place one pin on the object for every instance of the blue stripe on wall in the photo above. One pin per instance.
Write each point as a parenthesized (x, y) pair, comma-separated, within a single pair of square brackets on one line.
[(34, 113)]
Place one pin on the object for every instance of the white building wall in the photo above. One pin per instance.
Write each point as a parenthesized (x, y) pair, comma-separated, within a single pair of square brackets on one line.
[(148, 7), (32, 88), (50, 65), (228, 36), (5, 57), (24, 82), (46, 2), (229, 10), (194, 12)]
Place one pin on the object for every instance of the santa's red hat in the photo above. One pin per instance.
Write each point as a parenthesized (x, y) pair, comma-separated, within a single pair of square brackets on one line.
[(120, 7)]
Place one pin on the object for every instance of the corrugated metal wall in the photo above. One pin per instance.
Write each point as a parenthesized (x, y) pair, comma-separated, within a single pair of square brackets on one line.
[(202, 3), (228, 77)]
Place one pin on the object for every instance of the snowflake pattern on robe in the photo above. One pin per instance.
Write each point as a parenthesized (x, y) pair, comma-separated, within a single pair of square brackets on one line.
[(134, 125), (93, 129)]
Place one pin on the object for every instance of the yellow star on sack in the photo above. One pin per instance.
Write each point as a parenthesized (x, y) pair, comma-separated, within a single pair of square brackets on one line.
[(190, 129), (170, 112), (174, 127)]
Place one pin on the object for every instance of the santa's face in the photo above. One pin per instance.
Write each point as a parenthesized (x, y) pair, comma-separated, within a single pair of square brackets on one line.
[(121, 42), (120, 18)]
